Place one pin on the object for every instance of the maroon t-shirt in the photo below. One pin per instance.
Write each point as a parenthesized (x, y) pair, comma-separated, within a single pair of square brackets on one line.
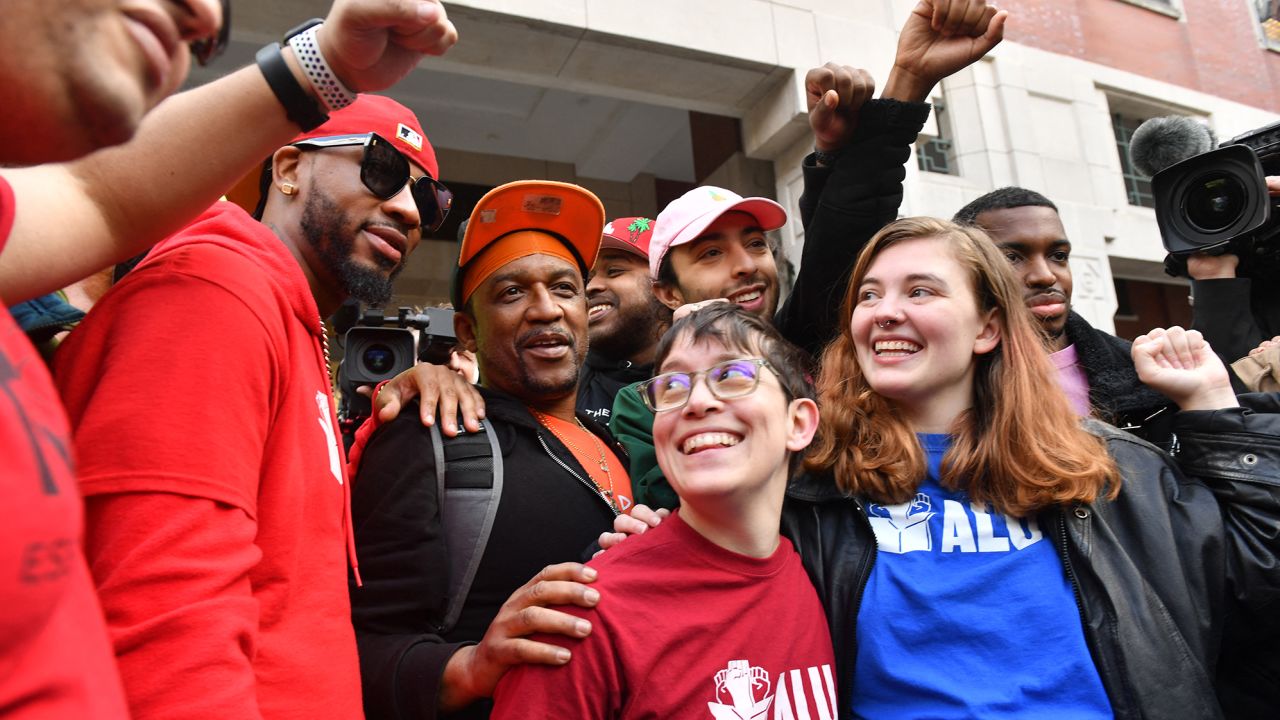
[(55, 658), (687, 629)]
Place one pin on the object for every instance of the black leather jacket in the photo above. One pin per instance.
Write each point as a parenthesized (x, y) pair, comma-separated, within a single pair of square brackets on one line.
[(1156, 572)]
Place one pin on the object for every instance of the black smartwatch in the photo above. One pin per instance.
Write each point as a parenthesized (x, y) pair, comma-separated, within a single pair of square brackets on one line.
[(301, 108)]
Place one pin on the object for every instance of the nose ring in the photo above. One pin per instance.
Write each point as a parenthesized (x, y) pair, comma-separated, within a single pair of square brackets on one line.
[(885, 323)]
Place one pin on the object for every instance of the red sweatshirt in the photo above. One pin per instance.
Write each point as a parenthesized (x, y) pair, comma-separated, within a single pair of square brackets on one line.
[(216, 495), (55, 660)]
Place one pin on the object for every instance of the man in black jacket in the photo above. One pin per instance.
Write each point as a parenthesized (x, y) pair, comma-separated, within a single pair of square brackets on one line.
[(1096, 368), (520, 289), (626, 319)]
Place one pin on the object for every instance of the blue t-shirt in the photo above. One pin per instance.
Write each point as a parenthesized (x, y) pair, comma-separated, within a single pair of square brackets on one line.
[(968, 613)]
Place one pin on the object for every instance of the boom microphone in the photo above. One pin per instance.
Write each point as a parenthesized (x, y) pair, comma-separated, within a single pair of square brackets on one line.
[(1164, 141)]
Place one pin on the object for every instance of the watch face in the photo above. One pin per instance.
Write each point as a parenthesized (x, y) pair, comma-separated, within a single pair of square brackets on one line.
[(302, 28)]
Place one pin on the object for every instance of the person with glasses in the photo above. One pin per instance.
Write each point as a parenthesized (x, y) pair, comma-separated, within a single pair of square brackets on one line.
[(76, 77), (217, 515), (712, 243), (712, 610)]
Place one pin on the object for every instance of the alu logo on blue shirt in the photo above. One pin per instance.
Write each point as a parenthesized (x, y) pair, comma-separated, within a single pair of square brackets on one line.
[(908, 528)]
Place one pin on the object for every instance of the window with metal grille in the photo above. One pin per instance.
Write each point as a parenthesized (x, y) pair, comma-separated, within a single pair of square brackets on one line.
[(936, 153), (1137, 186)]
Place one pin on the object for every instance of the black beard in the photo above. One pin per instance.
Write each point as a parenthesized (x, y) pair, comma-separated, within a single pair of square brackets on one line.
[(324, 226), (634, 329)]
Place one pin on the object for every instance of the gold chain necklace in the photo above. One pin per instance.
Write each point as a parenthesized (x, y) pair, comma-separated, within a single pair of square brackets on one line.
[(324, 344), (603, 460)]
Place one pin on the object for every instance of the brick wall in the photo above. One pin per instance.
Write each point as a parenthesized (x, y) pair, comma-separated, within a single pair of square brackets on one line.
[(1213, 48)]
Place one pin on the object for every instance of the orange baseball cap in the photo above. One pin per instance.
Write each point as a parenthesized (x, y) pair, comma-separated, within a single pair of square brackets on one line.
[(570, 213)]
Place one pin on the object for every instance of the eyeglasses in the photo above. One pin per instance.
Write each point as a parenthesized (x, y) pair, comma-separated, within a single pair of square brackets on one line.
[(727, 380), (384, 170), (205, 50)]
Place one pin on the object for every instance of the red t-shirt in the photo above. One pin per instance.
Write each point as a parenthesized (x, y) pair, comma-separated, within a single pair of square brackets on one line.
[(687, 629), (216, 496), (55, 660)]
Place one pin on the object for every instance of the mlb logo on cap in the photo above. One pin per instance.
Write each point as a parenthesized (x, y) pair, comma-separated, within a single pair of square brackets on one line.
[(409, 136)]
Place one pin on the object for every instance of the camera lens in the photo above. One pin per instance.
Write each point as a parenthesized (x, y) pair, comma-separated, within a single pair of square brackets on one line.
[(1214, 202), (378, 359)]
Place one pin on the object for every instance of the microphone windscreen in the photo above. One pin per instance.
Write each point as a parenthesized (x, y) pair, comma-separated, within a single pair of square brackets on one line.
[(1164, 141)]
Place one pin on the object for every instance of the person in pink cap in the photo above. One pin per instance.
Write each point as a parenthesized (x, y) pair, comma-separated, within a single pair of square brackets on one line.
[(711, 243), (217, 511), (626, 318)]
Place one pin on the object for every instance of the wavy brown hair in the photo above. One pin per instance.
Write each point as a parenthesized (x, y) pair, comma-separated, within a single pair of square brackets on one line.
[(1019, 446)]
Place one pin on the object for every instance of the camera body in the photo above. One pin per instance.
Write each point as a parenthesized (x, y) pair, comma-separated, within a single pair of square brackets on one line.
[(1217, 202), (374, 352)]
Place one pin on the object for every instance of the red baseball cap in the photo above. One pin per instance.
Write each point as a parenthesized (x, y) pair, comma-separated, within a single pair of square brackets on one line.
[(368, 114), (631, 234)]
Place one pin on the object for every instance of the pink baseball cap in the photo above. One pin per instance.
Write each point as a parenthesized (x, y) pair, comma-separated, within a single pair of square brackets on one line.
[(688, 217)]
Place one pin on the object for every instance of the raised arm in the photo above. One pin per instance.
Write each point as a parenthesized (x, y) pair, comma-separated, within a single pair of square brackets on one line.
[(853, 184), (939, 38), (76, 218)]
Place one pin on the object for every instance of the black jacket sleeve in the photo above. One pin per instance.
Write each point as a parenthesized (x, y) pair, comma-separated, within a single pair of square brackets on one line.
[(841, 208), (1237, 453), (1222, 312), (404, 565)]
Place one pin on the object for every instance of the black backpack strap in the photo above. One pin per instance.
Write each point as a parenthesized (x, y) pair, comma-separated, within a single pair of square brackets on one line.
[(469, 488)]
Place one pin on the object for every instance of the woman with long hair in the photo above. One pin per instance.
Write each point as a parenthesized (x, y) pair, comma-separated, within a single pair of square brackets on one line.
[(979, 551)]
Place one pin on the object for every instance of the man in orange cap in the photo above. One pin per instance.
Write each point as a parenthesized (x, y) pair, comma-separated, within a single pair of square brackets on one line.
[(217, 521), (520, 288), (626, 318)]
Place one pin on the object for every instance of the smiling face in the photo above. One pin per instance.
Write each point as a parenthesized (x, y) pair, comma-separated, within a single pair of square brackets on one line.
[(625, 317), (732, 259), (1033, 240), (78, 75), (527, 324), (354, 241), (715, 451), (917, 331)]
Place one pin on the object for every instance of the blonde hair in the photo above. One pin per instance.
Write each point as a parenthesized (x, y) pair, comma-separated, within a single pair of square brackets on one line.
[(1019, 446)]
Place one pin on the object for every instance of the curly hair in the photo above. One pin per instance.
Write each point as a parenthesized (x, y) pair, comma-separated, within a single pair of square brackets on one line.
[(1019, 446)]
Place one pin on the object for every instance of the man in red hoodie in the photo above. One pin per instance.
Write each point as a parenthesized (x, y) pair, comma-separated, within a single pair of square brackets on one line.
[(77, 76), (217, 521)]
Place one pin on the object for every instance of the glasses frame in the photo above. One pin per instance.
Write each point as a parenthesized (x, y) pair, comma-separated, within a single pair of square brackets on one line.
[(440, 195), (206, 50), (646, 388)]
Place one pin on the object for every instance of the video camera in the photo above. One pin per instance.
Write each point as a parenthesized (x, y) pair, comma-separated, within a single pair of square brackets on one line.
[(373, 352), (1217, 202)]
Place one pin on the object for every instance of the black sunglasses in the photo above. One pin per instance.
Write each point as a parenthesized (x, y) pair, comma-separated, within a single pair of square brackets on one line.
[(205, 50), (384, 170)]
